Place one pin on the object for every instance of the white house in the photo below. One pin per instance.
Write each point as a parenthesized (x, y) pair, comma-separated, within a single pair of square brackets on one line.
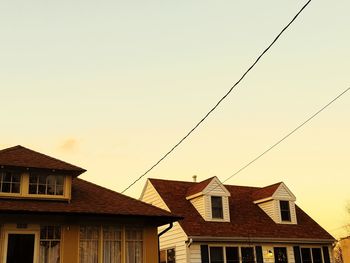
[(236, 224)]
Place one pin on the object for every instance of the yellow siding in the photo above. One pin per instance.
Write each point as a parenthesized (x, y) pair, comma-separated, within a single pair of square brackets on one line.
[(70, 244), (199, 204)]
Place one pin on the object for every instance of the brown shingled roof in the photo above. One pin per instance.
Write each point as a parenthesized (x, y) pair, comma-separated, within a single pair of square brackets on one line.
[(247, 219), (265, 192), (89, 199), (198, 187), (21, 157)]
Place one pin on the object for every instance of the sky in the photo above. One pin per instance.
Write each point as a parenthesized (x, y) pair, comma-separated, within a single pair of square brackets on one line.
[(111, 86)]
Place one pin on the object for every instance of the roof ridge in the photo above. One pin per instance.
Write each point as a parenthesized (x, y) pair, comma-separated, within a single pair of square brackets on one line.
[(45, 155)]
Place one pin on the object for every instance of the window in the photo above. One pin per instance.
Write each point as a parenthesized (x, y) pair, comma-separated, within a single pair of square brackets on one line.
[(46, 184), (247, 254), (216, 255), (306, 255), (88, 244), (50, 239), (216, 207), (232, 255), (280, 255), (167, 255), (112, 242), (10, 182), (316, 255), (134, 245), (285, 211)]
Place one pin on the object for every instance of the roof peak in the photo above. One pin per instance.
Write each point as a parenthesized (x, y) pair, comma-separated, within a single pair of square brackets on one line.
[(21, 157)]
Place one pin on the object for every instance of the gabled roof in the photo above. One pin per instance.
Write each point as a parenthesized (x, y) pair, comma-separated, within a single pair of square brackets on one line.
[(266, 192), (198, 187), (247, 219), (24, 158), (89, 199)]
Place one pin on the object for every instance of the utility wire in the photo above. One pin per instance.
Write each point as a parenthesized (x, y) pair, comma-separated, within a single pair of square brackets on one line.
[(286, 136), (219, 102)]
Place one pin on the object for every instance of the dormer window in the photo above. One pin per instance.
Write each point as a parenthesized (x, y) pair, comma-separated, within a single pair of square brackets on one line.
[(10, 182), (216, 207), (46, 184), (285, 211)]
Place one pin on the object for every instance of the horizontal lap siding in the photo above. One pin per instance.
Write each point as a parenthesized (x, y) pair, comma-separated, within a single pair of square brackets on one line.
[(175, 238), (199, 204), (151, 196)]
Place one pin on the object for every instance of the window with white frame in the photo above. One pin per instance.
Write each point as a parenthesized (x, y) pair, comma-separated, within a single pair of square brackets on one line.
[(285, 211), (50, 243), (167, 255), (216, 207), (134, 245), (229, 254), (46, 184), (10, 182), (88, 244), (311, 255)]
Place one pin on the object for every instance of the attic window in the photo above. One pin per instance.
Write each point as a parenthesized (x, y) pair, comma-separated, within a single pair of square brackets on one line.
[(10, 182), (285, 211), (216, 207), (46, 184)]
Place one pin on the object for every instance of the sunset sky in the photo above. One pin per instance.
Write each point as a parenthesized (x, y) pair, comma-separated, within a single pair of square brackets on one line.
[(112, 85)]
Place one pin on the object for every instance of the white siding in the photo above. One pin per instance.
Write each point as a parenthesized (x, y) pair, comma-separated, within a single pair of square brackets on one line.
[(195, 253), (283, 193), (215, 188), (151, 196), (271, 209), (199, 204), (175, 238)]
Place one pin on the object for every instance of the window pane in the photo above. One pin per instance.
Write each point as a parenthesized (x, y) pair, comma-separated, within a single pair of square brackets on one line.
[(49, 244), (216, 255), (171, 255), (247, 254), (232, 255), (88, 244), (306, 255), (316, 255), (134, 245), (285, 211), (280, 255), (216, 206)]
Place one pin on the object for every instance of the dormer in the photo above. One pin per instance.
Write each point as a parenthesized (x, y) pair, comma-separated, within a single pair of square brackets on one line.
[(210, 198), (27, 174), (278, 202)]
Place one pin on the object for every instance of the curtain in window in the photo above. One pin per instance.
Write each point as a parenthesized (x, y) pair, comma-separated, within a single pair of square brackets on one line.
[(88, 244), (134, 245), (112, 244)]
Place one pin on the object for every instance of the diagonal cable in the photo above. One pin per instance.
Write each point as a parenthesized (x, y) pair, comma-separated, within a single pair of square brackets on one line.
[(219, 102)]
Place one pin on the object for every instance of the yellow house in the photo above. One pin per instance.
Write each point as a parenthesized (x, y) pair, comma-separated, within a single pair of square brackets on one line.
[(345, 249), (48, 215)]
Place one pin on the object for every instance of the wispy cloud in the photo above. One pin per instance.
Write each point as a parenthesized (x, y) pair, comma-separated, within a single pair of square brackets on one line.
[(69, 145)]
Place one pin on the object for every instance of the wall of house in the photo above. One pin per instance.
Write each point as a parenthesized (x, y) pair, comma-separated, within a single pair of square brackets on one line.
[(151, 196), (175, 237), (69, 242), (272, 209), (200, 204), (195, 251)]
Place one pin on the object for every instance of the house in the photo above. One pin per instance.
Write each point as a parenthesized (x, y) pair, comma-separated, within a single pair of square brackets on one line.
[(236, 224), (49, 215)]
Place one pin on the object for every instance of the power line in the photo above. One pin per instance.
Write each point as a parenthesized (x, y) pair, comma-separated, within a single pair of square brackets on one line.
[(286, 136), (219, 102)]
